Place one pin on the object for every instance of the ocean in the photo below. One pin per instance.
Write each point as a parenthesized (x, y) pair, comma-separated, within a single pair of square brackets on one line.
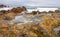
[(32, 9), (42, 9)]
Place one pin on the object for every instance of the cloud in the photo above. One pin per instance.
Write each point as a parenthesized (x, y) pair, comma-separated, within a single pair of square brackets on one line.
[(31, 2)]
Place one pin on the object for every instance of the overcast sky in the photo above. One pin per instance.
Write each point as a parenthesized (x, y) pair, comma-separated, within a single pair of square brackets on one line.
[(31, 2)]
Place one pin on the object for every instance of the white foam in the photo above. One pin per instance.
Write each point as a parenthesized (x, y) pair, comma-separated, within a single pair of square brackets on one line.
[(6, 8), (42, 9)]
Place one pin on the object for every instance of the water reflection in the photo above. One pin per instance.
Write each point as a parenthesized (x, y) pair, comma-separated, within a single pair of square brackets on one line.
[(23, 19)]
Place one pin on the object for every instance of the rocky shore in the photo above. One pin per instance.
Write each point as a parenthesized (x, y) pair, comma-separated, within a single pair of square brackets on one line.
[(14, 23)]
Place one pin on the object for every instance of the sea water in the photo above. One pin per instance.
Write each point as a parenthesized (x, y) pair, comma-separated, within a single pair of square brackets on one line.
[(42, 9)]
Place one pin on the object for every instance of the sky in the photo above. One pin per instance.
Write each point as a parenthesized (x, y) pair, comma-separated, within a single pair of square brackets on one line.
[(31, 2)]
